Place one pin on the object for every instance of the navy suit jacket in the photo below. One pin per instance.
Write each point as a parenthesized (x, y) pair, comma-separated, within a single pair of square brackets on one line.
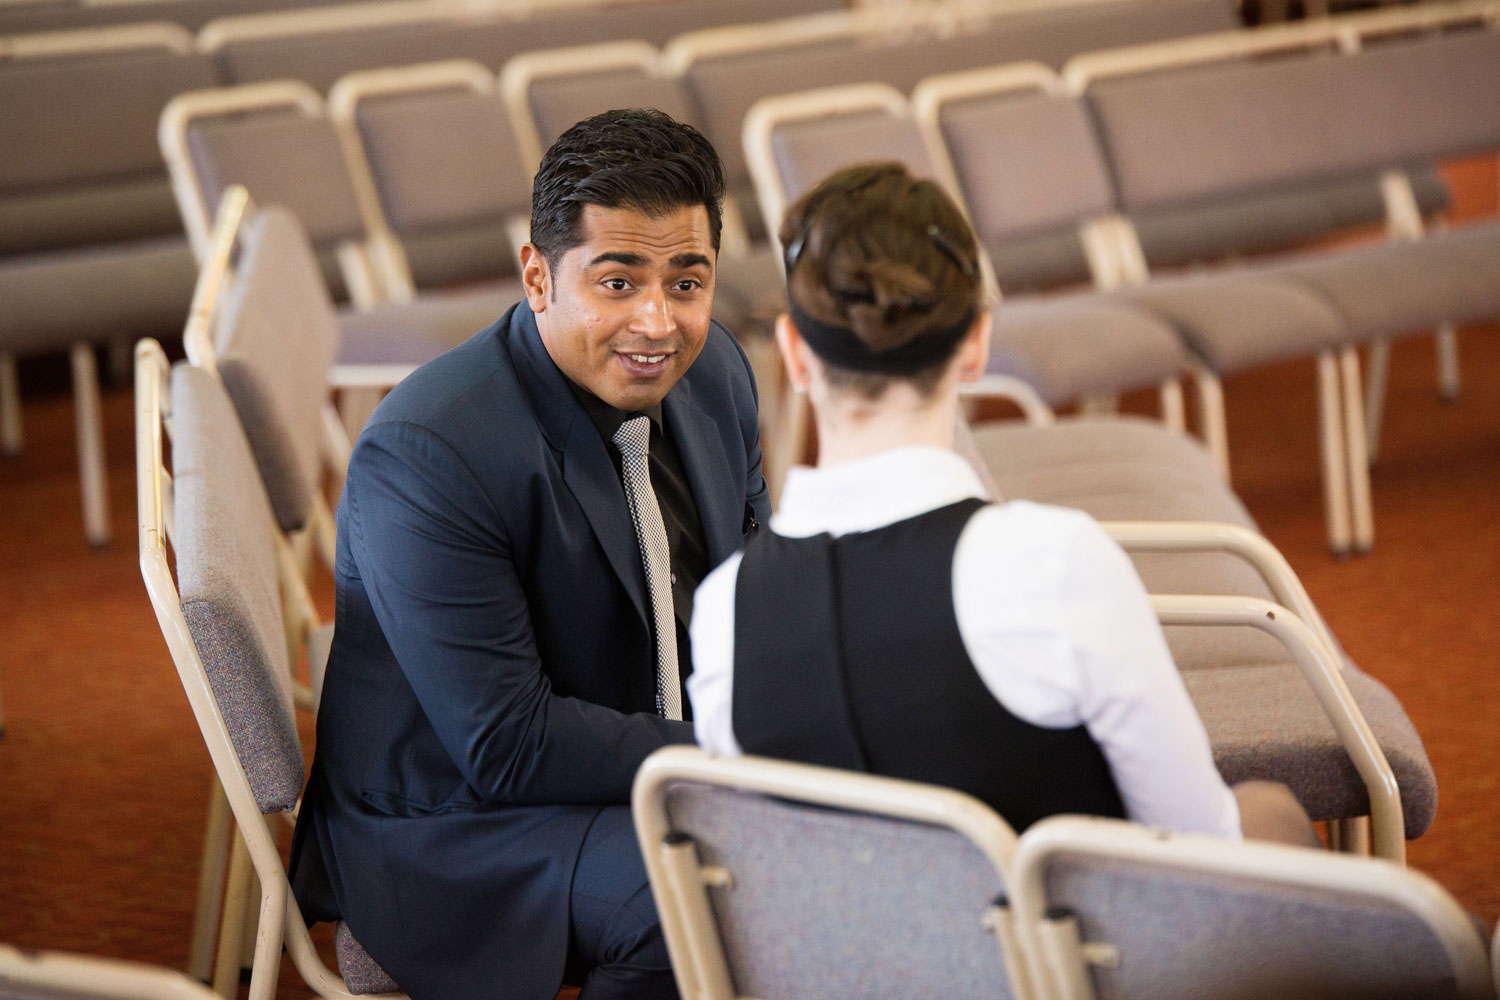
[(491, 684)]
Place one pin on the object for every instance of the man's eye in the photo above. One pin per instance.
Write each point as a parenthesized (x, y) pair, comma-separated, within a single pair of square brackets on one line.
[(689, 285), (616, 284)]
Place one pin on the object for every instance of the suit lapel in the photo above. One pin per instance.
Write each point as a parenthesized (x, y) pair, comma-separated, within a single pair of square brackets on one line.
[(587, 469), (696, 435)]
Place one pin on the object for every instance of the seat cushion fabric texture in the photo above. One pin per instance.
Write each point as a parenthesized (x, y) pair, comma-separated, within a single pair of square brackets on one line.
[(1185, 934), (361, 973), (829, 903), (276, 339), (1071, 347), (1235, 320), (1264, 722), (227, 581)]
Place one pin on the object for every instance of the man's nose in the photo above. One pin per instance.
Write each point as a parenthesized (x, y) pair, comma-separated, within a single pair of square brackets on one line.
[(654, 316)]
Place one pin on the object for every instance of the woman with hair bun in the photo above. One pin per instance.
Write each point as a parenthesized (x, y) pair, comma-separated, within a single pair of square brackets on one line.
[(894, 621)]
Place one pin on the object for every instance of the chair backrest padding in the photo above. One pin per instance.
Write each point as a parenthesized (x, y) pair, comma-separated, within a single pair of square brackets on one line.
[(281, 157), (559, 101), (1028, 163), (276, 339), (86, 119), (1239, 128), (830, 903), (443, 159), (810, 149), (227, 580), (1184, 931)]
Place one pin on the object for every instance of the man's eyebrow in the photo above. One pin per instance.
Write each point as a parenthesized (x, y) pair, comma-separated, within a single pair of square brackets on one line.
[(619, 257), (692, 260)]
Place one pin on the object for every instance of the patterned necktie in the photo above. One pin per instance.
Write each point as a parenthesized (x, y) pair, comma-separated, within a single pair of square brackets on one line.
[(632, 438)]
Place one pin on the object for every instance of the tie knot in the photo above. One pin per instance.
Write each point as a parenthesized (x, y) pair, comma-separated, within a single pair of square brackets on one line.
[(634, 436)]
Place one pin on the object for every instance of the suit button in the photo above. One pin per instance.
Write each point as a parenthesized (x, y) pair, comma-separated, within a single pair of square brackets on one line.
[(674, 579)]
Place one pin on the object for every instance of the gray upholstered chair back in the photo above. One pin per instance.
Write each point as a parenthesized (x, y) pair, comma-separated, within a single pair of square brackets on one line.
[(79, 133), (830, 903), (807, 150), (318, 59), (449, 177), (1176, 918), (559, 101), (228, 584), (1028, 163), (276, 339), (284, 158), (1240, 128)]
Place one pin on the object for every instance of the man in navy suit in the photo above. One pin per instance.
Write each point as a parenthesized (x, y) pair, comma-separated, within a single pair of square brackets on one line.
[(493, 683)]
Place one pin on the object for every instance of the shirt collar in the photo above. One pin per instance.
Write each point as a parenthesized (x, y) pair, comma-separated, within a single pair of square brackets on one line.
[(608, 418), (872, 492)]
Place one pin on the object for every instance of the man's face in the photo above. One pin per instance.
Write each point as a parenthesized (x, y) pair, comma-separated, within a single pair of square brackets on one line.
[(626, 312)]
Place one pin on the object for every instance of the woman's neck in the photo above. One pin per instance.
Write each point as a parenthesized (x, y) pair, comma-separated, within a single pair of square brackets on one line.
[(850, 427)]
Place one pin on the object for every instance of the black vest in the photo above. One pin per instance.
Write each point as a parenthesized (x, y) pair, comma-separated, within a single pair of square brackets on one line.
[(847, 654)]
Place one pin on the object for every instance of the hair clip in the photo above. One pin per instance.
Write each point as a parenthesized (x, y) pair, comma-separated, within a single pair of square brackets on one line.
[(944, 244)]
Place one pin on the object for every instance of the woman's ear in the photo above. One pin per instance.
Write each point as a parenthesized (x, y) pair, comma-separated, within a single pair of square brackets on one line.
[(793, 351), (974, 352)]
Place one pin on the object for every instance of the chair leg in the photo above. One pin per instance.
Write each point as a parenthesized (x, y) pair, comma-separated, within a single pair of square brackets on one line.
[(232, 928), (10, 406), (90, 445), (1331, 437), (1211, 415), (1350, 835), (252, 924), (355, 406), (1375, 386), (1446, 342), (1099, 406), (1356, 454), (210, 884), (1173, 410)]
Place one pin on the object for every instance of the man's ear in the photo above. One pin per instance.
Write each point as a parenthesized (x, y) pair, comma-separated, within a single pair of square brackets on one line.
[(793, 350), (974, 352), (536, 277)]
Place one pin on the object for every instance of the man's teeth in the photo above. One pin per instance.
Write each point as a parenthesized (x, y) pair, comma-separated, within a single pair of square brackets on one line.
[(647, 359)]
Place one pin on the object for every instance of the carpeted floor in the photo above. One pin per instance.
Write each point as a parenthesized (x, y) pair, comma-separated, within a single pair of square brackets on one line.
[(103, 778)]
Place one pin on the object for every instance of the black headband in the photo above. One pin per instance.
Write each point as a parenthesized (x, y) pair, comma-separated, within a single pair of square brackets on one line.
[(840, 346)]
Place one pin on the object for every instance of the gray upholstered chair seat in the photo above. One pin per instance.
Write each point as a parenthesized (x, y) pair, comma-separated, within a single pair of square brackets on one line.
[(1264, 722), (49, 300), (1074, 347), (416, 332), (362, 974), (1116, 469), (1397, 288), (1236, 320)]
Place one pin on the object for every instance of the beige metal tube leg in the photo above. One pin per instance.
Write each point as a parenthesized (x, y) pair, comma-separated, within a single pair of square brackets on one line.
[(10, 406), (1331, 437), (1446, 342), (1350, 835), (355, 406), (231, 930), (1379, 361), (210, 884), (1355, 453), (90, 445), (1173, 409), (1211, 414)]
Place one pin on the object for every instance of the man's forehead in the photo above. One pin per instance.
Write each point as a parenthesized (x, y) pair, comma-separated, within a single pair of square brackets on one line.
[(673, 232)]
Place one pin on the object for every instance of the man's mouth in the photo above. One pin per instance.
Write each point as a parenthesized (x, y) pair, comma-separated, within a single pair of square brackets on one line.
[(644, 365)]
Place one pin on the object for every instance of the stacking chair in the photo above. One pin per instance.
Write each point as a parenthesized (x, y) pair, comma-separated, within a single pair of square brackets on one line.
[(276, 140), (1390, 106), (55, 975), (775, 879), (1113, 910), (89, 247), (224, 625)]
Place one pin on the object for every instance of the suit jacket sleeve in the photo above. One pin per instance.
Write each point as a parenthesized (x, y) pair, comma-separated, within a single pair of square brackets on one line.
[(434, 555)]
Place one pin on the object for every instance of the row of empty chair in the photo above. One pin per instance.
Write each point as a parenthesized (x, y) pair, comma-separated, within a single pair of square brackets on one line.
[(1123, 134), (89, 244)]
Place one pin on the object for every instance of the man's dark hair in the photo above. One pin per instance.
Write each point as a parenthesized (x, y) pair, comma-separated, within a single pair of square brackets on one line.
[(636, 158)]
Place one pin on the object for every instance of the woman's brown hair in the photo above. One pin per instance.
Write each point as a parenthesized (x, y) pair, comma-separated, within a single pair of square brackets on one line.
[(885, 255)]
